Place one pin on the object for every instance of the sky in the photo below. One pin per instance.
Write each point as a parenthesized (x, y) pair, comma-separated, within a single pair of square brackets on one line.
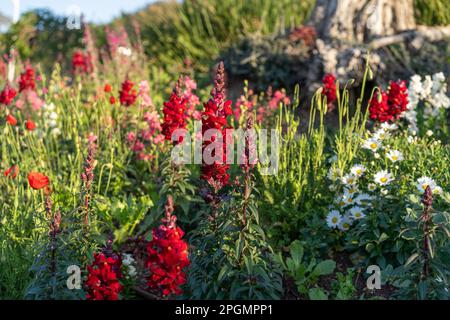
[(98, 11)]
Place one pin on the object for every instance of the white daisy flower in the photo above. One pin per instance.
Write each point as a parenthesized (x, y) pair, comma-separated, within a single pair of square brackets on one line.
[(358, 170), (381, 135), (345, 223), (371, 187), (349, 179), (334, 174), (383, 178), (371, 144), (363, 198), (388, 127), (347, 199), (423, 182), (357, 213), (394, 155), (384, 191), (333, 219), (437, 190), (429, 133), (351, 190)]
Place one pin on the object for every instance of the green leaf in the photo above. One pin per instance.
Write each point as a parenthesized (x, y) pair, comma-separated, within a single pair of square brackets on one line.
[(317, 294), (411, 259), (296, 250), (324, 267)]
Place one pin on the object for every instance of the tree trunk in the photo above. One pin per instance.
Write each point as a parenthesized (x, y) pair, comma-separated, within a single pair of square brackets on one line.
[(347, 29), (361, 20)]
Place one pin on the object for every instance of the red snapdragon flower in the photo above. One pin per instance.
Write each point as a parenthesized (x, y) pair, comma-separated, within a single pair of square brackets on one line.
[(7, 95), (81, 62), (30, 125), (397, 98), (174, 114), (127, 95), (27, 79), (167, 256), (12, 172), (38, 180), (11, 120), (391, 104), (215, 117), (329, 90), (102, 282)]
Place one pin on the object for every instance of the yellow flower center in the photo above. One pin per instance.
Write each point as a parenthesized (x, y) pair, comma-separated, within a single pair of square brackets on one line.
[(424, 186), (350, 200), (394, 158), (357, 215), (373, 145), (384, 179), (334, 220), (359, 171)]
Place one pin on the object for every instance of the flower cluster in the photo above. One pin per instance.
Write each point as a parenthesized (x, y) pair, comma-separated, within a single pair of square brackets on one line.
[(7, 95), (146, 138), (174, 114), (428, 95), (102, 281), (27, 80), (388, 106), (215, 117), (167, 255), (357, 187), (329, 90), (127, 95), (192, 100), (81, 62)]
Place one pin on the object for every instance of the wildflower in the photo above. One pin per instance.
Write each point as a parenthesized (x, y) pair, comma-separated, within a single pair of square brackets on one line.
[(371, 144), (128, 261), (397, 98), (127, 94), (378, 107), (215, 117), (112, 100), (81, 62), (381, 135), (333, 219), (174, 114), (351, 190), (11, 120), (386, 126), (384, 191), (30, 125), (334, 174), (371, 186), (27, 79), (102, 281), (383, 178), (37, 180), (429, 133), (167, 255), (329, 90), (357, 212), (363, 198), (437, 190), (7, 95), (347, 199), (349, 179), (345, 223), (144, 93), (12, 171), (107, 88), (394, 155), (423, 182), (358, 170)]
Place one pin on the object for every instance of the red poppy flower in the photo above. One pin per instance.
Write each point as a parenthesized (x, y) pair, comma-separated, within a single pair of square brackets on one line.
[(12, 172), (37, 180), (107, 88), (30, 125), (11, 120), (112, 100)]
